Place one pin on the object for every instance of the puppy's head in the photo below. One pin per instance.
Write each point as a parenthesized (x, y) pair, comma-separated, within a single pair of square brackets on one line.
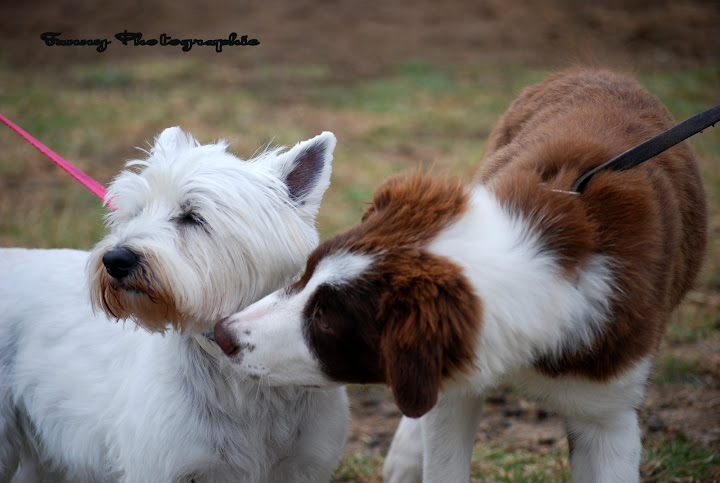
[(199, 234), (373, 306)]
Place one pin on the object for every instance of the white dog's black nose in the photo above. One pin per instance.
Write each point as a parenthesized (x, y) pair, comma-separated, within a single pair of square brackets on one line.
[(120, 261)]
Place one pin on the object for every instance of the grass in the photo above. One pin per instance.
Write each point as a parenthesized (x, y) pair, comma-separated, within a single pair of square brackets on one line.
[(693, 325), (417, 114), (677, 461), (362, 466), (672, 369), (664, 460), (506, 465)]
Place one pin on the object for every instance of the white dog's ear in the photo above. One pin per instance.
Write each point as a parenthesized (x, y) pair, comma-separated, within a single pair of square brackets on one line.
[(305, 170), (172, 140)]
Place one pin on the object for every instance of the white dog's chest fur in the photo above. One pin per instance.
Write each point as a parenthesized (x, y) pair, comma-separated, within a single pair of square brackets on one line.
[(83, 393)]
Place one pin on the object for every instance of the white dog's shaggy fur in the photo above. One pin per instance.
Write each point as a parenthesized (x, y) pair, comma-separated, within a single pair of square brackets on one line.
[(198, 234)]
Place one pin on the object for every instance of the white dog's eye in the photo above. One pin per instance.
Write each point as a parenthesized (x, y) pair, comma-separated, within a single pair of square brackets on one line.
[(190, 218)]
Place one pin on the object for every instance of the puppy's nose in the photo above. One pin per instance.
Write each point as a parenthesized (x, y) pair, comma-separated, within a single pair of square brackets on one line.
[(224, 338), (119, 262)]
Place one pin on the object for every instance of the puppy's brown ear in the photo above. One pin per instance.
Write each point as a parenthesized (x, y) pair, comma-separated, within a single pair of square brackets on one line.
[(432, 319), (413, 365)]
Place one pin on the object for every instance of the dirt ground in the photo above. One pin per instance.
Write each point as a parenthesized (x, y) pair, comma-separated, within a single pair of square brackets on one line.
[(357, 38), (353, 39), (687, 410)]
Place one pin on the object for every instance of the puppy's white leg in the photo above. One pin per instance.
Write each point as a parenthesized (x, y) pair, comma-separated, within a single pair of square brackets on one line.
[(606, 449), (404, 460), (448, 435)]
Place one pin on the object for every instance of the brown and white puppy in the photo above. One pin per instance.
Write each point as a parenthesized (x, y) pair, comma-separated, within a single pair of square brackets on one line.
[(444, 289)]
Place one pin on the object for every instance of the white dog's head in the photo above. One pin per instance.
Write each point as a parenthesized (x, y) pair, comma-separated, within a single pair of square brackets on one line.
[(199, 234)]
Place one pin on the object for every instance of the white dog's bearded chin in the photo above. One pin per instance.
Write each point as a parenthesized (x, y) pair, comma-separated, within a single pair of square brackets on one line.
[(141, 297), (266, 378), (247, 368)]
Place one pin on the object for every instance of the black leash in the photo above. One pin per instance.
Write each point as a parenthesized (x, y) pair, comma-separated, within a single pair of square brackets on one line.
[(653, 146)]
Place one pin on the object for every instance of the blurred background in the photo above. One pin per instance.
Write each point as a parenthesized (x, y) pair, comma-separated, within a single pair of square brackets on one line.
[(401, 84)]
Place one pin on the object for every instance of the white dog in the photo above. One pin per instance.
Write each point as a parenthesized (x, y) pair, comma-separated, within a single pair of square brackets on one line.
[(443, 289), (198, 234)]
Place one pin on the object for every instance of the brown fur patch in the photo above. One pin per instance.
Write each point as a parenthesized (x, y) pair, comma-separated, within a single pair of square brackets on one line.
[(142, 297), (650, 220), (406, 212), (410, 322)]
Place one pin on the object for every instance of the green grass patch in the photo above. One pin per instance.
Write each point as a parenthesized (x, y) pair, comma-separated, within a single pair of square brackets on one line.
[(358, 194), (663, 460), (690, 325), (503, 465), (685, 92), (102, 76), (58, 218), (411, 85), (417, 114), (359, 467), (676, 460), (671, 369)]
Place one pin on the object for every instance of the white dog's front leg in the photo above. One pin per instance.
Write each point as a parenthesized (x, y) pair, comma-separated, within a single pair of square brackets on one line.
[(448, 435)]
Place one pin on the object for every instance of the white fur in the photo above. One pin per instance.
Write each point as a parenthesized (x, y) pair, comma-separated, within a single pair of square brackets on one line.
[(530, 307), (404, 459), (83, 398), (338, 269), (601, 418)]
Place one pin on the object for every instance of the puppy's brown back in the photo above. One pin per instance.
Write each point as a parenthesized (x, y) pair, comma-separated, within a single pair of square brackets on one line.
[(650, 220)]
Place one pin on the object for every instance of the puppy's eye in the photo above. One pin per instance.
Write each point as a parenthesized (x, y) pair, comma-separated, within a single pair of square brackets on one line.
[(190, 218), (320, 322)]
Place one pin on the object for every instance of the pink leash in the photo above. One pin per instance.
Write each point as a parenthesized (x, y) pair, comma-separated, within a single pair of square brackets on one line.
[(96, 188)]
